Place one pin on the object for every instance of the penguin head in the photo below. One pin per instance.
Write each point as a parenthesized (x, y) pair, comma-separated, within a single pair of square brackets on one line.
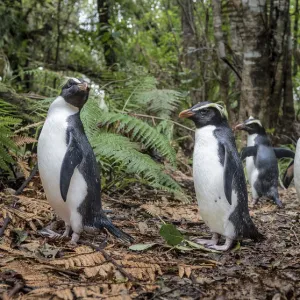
[(252, 126), (205, 113), (75, 92)]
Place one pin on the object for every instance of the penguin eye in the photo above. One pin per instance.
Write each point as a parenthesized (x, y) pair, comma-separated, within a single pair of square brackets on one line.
[(69, 84), (204, 111)]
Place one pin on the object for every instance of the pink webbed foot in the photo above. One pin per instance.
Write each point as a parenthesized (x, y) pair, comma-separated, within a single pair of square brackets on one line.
[(213, 241)]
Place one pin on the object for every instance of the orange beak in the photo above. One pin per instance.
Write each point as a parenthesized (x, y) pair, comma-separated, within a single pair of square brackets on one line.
[(186, 113), (83, 86), (239, 127)]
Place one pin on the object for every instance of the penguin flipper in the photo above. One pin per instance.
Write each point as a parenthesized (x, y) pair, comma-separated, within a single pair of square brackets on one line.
[(72, 159), (283, 152), (229, 172), (248, 151)]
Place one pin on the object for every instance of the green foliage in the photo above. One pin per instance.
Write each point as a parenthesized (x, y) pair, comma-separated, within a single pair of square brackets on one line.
[(6, 143), (171, 234), (140, 131), (123, 153)]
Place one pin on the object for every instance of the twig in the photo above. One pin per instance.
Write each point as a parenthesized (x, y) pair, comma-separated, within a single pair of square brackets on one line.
[(32, 174), (95, 247), (100, 248), (5, 223), (17, 287), (121, 270)]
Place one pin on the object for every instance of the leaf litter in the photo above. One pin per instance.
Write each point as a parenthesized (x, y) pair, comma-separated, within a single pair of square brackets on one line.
[(164, 262)]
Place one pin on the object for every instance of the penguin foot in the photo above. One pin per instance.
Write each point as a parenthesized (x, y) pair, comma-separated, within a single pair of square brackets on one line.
[(67, 231), (279, 203), (213, 241), (225, 247), (75, 238), (254, 202)]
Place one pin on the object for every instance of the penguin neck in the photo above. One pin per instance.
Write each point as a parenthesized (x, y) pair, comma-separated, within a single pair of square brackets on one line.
[(59, 105), (258, 139)]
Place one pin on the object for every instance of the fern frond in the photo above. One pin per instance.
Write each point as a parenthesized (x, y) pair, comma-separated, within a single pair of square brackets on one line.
[(140, 131), (119, 150), (160, 102), (23, 140), (6, 142)]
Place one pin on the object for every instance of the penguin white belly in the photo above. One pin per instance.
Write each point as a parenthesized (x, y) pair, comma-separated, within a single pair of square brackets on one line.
[(297, 169), (51, 152), (208, 172), (252, 171)]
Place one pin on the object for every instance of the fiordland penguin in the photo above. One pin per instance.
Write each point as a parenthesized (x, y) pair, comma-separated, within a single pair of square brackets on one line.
[(219, 178), (261, 161), (68, 167)]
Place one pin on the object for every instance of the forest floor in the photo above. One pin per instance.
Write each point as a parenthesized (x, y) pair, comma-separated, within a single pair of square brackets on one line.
[(34, 267)]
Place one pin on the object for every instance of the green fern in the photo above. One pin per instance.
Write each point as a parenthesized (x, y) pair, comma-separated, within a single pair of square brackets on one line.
[(122, 154), (6, 142), (160, 102), (120, 151), (140, 131)]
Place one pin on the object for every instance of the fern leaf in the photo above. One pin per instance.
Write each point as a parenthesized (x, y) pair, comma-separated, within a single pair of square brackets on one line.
[(23, 140), (140, 131), (120, 150)]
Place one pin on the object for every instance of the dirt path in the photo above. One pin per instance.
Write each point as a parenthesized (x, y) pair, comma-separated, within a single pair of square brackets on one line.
[(33, 267)]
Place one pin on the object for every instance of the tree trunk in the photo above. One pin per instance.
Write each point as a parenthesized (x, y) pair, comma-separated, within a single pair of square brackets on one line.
[(295, 44), (288, 111), (255, 89), (190, 48), (279, 20), (103, 7), (223, 67)]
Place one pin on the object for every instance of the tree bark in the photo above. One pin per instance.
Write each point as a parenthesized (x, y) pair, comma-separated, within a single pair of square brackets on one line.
[(104, 15), (288, 111), (223, 64), (190, 48), (279, 39), (255, 89)]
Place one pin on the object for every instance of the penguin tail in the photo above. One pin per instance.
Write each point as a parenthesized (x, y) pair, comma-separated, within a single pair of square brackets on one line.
[(254, 234), (106, 223), (257, 236)]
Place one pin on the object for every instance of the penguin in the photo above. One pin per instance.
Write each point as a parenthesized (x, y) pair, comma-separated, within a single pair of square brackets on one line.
[(219, 179), (68, 167), (261, 161)]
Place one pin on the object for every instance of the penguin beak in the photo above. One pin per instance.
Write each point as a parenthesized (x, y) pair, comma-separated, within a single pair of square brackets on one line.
[(83, 86), (240, 126), (186, 113)]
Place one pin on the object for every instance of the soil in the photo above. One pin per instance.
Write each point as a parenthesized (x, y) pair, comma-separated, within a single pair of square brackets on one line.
[(36, 267)]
